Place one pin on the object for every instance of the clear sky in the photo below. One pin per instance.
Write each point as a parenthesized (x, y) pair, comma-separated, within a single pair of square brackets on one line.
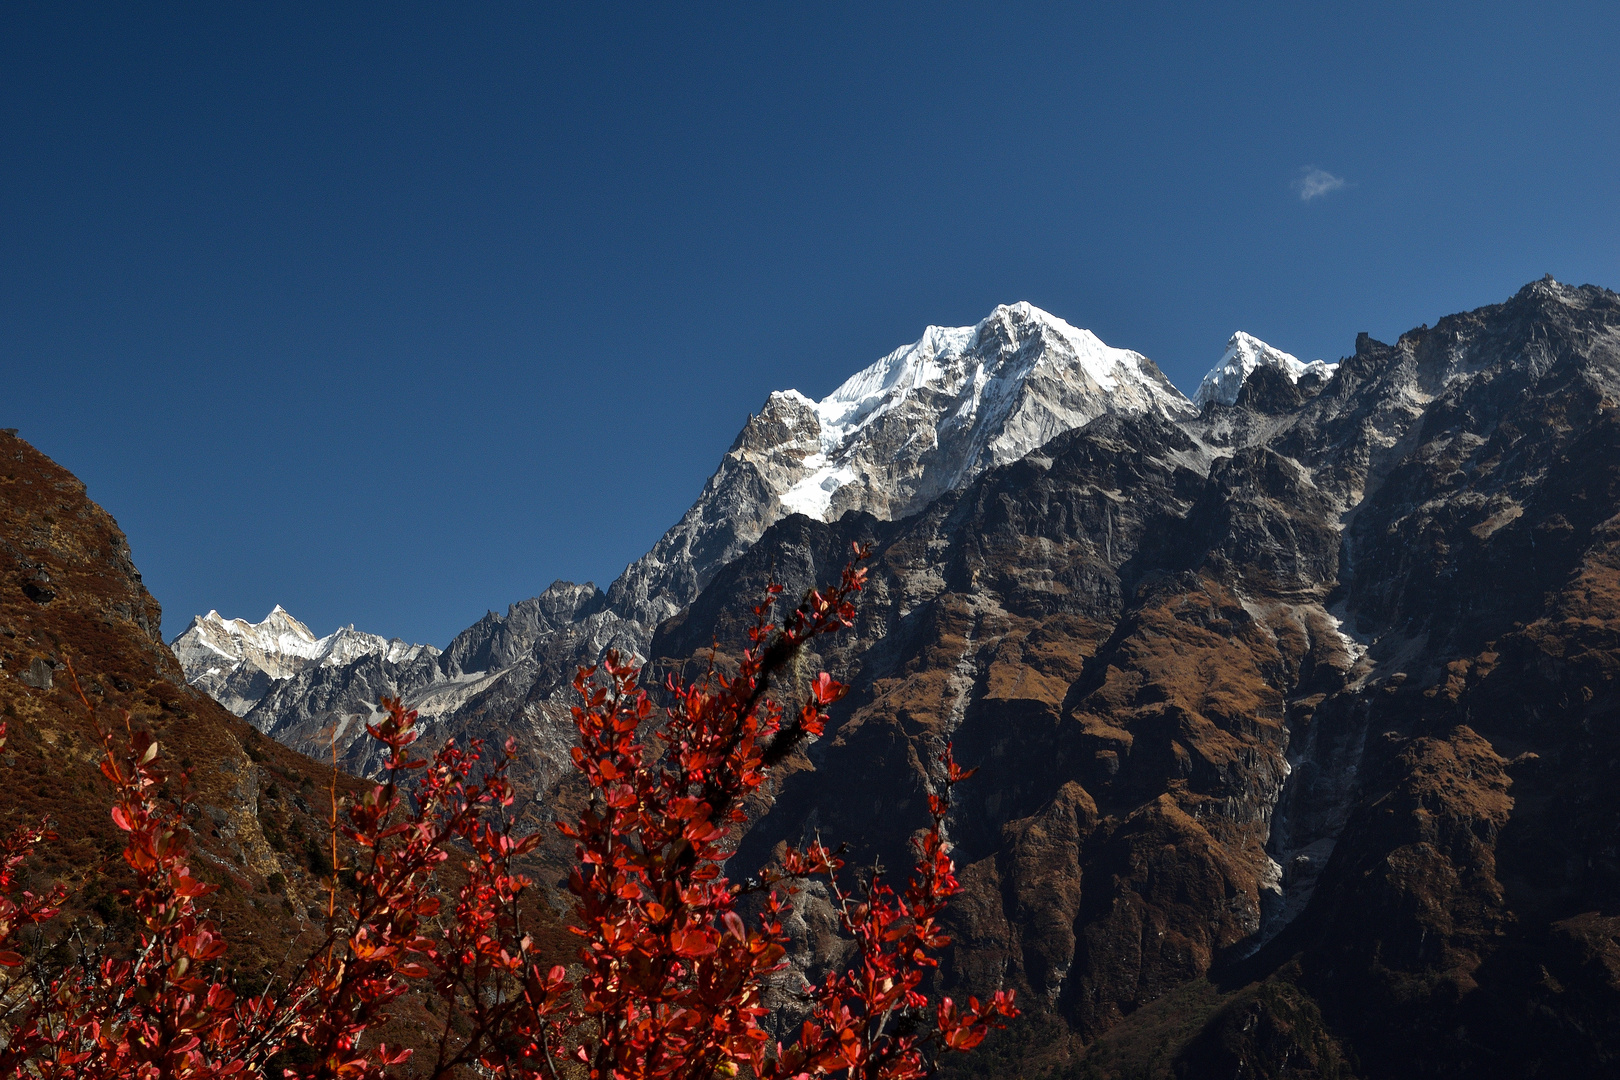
[(394, 313)]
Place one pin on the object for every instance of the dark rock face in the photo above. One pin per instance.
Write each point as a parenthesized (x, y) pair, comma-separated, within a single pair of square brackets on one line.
[(496, 642), (1313, 696), (1073, 623)]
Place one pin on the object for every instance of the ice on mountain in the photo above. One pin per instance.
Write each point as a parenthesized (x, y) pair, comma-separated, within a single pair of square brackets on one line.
[(1245, 354), (276, 647), (924, 419)]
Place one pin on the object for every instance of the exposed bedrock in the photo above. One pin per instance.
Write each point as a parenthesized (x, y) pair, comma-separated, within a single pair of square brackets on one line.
[(1312, 696)]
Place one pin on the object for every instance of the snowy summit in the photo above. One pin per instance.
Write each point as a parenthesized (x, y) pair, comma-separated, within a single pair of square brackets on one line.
[(233, 660), (923, 420), (1245, 354), (967, 398)]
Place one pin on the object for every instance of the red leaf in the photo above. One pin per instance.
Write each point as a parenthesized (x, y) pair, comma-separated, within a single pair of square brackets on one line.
[(692, 941), (827, 689), (395, 1056)]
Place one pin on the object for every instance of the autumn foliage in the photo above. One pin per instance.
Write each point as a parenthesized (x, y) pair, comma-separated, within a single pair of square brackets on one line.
[(680, 970)]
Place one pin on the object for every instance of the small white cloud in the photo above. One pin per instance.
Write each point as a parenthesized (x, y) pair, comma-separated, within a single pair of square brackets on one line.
[(1313, 183)]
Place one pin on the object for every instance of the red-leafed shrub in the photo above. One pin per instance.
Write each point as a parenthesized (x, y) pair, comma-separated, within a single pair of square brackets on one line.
[(670, 979)]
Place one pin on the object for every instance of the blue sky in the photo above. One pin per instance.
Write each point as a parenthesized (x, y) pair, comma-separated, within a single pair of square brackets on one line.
[(395, 313)]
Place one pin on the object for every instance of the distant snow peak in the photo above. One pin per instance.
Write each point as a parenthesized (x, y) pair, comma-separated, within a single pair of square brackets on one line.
[(233, 660), (278, 634), (1245, 354)]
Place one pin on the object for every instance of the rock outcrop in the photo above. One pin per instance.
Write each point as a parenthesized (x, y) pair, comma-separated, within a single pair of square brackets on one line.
[(70, 593)]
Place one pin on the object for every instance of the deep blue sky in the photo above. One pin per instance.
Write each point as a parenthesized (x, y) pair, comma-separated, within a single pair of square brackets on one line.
[(395, 313)]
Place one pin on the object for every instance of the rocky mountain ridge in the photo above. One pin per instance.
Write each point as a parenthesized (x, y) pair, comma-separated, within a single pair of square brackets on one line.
[(236, 662), (924, 419)]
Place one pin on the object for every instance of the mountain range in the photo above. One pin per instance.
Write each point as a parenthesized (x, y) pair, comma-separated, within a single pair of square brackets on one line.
[(1295, 703), (925, 419)]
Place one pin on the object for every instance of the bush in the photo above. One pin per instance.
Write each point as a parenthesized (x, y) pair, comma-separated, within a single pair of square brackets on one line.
[(670, 977)]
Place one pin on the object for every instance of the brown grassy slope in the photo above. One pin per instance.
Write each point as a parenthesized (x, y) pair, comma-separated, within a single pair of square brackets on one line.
[(69, 592)]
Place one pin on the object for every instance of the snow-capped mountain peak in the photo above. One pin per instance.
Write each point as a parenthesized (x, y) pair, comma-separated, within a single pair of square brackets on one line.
[(1245, 354), (275, 638), (922, 420), (234, 660), (970, 357), (991, 393)]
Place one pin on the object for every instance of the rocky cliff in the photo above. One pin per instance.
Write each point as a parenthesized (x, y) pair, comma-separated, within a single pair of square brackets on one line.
[(1297, 720)]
